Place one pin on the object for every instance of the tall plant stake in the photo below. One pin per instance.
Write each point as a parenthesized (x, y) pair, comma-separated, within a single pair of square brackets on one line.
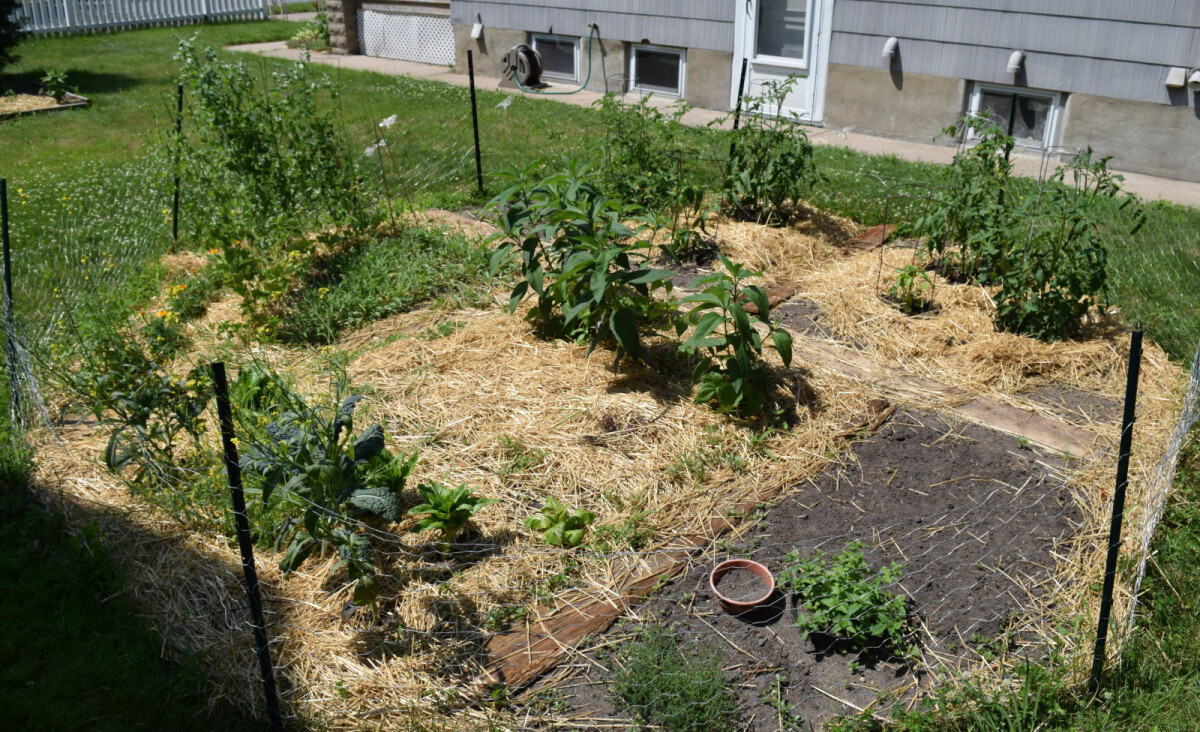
[(234, 470), (178, 144), (475, 121), (1118, 513), (10, 324)]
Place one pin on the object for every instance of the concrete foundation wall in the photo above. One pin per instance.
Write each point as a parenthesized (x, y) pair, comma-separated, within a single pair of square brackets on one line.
[(709, 75), (1141, 137), (891, 103), (488, 50)]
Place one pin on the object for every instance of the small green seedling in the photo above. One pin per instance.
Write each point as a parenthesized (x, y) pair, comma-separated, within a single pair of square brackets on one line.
[(448, 510), (560, 526), (912, 291)]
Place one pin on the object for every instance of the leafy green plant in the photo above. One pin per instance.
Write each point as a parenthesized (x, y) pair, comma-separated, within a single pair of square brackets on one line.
[(54, 84), (164, 335), (970, 223), (586, 267), (673, 688), (840, 596), (559, 525), (1060, 268), (643, 144), (309, 459), (772, 165), (312, 35), (912, 291), (690, 241), (730, 371), (448, 510), (632, 533)]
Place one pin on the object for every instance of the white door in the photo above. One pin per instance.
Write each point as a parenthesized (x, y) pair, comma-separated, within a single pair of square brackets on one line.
[(782, 38)]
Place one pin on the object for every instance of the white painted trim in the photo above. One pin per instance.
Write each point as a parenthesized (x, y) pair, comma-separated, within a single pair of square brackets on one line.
[(819, 31), (635, 87), (1054, 116), (533, 39)]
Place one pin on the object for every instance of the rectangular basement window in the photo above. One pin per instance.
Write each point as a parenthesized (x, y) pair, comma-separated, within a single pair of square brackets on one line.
[(1033, 114), (658, 70), (560, 56)]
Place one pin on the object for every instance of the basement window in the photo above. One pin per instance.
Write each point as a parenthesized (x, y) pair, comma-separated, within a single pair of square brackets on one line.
[(1032, 116), (560, 56), (658, 70)]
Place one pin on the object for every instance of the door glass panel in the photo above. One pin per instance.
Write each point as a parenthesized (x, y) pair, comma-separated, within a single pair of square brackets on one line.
[(781, 26)]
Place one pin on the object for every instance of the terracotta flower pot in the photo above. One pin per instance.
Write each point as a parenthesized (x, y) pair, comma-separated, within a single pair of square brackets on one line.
[(741, 602)]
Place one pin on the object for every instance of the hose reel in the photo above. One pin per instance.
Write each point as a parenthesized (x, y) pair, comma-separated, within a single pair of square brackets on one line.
[(523, 64)]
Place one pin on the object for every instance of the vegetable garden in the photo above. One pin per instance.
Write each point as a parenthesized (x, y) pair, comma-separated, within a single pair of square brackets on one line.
[(492, 455)]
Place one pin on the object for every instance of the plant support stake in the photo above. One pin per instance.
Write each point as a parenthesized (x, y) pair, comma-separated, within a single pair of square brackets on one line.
[(737, 112), (475, 121), (225, 416), (1118, 512), (178, 143), (10, 323)]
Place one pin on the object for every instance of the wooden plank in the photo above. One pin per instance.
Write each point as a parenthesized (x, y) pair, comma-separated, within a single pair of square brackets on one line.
[(1064, 438)]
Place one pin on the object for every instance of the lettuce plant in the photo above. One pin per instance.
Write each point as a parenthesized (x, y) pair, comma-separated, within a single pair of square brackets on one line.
[(559, 525)]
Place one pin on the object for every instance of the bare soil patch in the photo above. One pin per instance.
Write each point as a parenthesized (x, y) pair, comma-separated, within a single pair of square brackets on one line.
[(912, 494)]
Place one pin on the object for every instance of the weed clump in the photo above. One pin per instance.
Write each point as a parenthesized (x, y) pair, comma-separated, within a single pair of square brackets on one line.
[(672, 687)]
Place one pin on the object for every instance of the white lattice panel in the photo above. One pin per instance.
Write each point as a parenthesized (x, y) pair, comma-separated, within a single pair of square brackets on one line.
[(428, 39)]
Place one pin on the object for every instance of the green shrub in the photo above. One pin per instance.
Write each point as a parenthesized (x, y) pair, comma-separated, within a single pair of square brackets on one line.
[(674, 688), (10, 32), (772, 165), (730, 370), (587, 268), (839, 595)]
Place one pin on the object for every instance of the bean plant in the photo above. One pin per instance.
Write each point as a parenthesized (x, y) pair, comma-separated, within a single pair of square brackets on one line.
[(730, 370), (585, 257)]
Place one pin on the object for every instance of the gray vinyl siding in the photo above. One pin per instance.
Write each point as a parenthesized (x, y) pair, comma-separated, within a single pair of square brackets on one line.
[(1111, 48), (706, 24)]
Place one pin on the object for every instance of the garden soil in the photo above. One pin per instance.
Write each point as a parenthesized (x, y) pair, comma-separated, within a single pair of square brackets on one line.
[(905, 491)]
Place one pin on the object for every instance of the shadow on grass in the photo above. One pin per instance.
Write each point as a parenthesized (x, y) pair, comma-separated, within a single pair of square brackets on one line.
[(86, 83)]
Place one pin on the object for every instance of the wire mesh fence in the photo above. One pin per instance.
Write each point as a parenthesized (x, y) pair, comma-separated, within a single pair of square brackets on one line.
[(937, 551)]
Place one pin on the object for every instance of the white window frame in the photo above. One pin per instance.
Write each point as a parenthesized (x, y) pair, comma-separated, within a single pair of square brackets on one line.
[(1053, 117), (785, 61), (534, 37), (636, 87)]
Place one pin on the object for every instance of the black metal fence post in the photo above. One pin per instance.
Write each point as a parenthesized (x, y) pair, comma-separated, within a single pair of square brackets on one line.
[(1118, 512), (225, 415), (10, 322), (475, 121), (737, 111), (178, 144)]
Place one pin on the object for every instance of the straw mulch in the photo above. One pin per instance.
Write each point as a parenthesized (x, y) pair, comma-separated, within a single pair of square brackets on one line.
[(522, 420)]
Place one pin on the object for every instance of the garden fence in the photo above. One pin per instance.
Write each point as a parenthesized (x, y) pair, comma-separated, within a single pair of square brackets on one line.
[(997, 571), (78, 16)]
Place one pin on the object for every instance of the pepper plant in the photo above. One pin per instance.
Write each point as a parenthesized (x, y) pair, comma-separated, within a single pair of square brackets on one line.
[(912, 291), (560, 526), (730, 370), (584, 258)]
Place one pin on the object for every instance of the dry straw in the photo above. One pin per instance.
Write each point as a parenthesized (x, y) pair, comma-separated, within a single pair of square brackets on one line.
[(525, 419)]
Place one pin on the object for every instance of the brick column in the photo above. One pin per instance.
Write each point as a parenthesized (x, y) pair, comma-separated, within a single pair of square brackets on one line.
[(343, 25)]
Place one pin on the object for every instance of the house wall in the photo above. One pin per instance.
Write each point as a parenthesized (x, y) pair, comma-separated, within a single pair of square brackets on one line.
[(703, 27), (1110, 57)]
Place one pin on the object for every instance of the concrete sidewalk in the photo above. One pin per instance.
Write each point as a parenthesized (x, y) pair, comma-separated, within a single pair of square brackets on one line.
[(1147, 186)]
